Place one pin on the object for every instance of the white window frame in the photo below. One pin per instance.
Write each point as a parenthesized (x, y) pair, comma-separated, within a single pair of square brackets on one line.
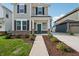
[(21, 24), (17, 25), (38, 10), (37, 26), (24, 25), (44, 27), (20, 7)]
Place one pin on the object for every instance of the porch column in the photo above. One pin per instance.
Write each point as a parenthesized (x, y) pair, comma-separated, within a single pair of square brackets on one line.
[(49, 25), (32, 26)]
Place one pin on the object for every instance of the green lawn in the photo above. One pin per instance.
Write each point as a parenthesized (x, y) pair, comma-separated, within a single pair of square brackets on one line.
[(14, 47)]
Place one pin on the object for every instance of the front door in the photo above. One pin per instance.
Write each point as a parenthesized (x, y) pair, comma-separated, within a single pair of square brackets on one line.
[(38, 28)]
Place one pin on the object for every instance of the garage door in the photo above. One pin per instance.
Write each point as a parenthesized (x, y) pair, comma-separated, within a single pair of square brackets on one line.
[(61, 28), (74, 29)]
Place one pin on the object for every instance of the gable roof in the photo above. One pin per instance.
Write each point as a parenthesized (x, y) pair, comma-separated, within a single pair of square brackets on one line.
[(5, 8), (73, 11)]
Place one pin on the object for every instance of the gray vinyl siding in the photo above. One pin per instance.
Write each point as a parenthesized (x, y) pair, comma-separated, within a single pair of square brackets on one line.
[(22, 15), (26, 15), (8, 21), (61, 28)]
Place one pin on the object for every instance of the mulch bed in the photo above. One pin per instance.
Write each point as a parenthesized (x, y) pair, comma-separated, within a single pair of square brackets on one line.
[(26, 39), (53, 51), (29, 40)]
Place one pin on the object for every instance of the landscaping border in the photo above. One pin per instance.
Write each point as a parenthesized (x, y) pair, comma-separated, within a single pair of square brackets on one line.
[(53, 51)]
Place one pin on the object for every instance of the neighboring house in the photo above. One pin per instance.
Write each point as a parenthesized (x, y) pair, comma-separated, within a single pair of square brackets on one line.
[(5, 19), (29, 18), (69, 22)]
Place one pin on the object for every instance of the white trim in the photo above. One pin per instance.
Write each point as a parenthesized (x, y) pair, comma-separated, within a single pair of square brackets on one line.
[(38, 10), (37, 26), (21, 24), (16, 27), (30, 19), (41, 26), (21, 19), (45, 26), (21, 8), (39, 6)]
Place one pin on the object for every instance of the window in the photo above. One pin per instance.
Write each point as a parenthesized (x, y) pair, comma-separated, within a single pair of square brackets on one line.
[(21, 8), (39, 10), (21, 25), (44, 26), (7, 16), (24, 25), (18, 25)]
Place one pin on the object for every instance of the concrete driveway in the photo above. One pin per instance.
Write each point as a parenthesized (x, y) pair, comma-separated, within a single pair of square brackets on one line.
[(72, 41)]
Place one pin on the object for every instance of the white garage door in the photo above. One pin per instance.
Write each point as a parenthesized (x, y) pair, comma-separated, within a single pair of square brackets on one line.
[(74, 29)]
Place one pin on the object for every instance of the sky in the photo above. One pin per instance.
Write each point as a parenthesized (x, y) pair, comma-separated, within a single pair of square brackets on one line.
[(56, 10)]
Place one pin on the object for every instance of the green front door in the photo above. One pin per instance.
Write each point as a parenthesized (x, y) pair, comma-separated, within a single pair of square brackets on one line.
[(38, 28)]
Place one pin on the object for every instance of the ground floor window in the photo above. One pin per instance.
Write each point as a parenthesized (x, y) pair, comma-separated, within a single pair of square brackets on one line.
[(18, 25), (44, 26), (21, 25)]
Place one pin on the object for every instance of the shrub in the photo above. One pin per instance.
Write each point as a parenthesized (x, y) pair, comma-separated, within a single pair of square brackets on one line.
[(71, 33), (27, 36), (60, 46), (54, 39), (8, 37), (68, 49), (63, 47), (18, 36), (32, 37), (50, 35)]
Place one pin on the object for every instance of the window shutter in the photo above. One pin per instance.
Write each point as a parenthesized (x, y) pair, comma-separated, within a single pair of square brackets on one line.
[(17, 8), (36, 10), (25, 8), (14, 24), (43, 10), (28, 25)]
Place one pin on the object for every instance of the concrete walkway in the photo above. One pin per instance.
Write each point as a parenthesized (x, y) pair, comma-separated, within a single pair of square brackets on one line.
[(72, 41), (39, 48)]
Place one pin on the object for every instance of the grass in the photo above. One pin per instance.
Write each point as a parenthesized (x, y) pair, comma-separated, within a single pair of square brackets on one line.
[(2, 37), (14, 47)]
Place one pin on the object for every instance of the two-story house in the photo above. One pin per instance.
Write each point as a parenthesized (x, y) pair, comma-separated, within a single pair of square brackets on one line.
[(30, 18), (5, 20), (69, 22)]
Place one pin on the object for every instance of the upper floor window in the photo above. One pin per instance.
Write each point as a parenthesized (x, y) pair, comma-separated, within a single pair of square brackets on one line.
[(39, 10), (21, 8)]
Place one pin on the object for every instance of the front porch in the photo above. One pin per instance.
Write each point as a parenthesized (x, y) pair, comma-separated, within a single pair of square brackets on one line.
[(40, 25)]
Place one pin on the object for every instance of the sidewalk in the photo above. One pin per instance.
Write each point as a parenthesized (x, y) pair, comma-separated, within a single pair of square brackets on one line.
[(39, 48)]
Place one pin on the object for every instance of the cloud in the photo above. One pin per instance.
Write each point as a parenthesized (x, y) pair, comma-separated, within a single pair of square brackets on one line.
[(57, 17)]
